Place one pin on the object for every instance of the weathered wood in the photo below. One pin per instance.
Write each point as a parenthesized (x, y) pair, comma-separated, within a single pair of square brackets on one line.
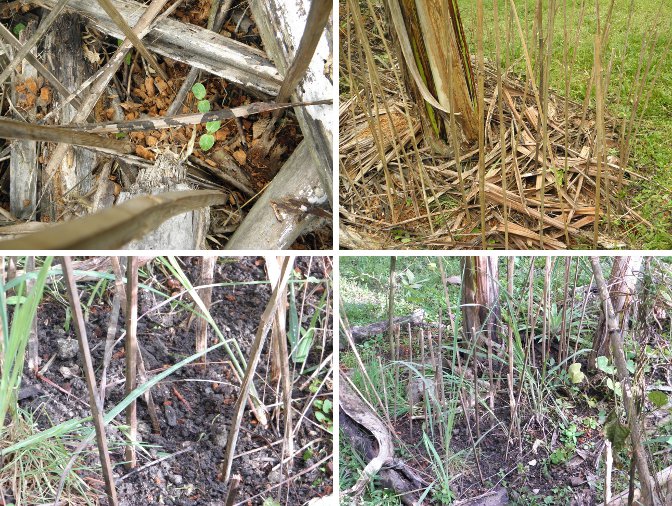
[(181, 232), (362, 332), (281, 24), (190, 44), (262, 228), (370, 437), (23, 161), (63, 46), (664, 478)]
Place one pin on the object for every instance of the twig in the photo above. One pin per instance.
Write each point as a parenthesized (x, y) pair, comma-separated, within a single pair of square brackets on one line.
[(152, 463), (231, 494), (255, 354), (119, 20), (96, 412), (131, 355)]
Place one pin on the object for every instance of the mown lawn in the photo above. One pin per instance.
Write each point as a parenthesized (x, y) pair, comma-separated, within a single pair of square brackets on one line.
[(652, 154)]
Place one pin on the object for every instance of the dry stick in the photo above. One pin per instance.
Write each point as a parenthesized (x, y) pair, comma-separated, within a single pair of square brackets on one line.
[(279, 336), (232, 492), (500, 110), (599, 98), (32, 42), (131, 346), (32, 59), (33, 344), (115, 227), (99, 86), (12, 129), (564, 337), (317, 19), (422, 364), (616, 338), (119, 20), (109, 343), (481, 119), (207, 273), (96, 410), (410, 397), (510, 265), (255, 353)]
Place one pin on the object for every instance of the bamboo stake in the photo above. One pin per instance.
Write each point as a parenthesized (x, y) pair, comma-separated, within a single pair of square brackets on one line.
[(481, 120), (267, 319), (33, 343), (96, 408), (131, 355), (206, 276)]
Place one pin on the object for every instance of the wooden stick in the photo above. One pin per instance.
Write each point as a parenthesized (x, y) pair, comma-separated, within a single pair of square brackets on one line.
[(255, 353), (207, 273), (119, 20), (116, 226), (131, 355), (96, 409), (11, 129)]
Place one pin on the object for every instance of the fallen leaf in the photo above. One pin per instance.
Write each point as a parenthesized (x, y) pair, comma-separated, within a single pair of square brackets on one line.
[(149, 86), (145, 153), (240, 156)]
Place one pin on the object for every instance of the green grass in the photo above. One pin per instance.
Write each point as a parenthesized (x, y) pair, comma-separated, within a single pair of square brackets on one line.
[(652, 152)]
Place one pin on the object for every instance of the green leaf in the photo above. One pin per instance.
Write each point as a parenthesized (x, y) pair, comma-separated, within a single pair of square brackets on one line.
[(303, 349), (617, 433), (327, 405), (213, 126), (14, 299), (206, 142), (120, 135), (199, 91), (657, 398), (602, 364), (19, 28), (320, 417), (203, 106), (269, 501), (127, 58), (575, 374), (630, 366)]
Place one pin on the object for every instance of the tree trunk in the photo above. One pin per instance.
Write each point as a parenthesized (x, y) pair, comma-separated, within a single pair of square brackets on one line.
[(432, 50), (621, 285), (616, 341), (480, 298)]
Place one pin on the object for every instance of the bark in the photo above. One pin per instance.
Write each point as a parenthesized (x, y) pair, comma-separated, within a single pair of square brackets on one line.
[(622, 282), (282, 24), (73, 177), (362, 332), (441, 59), (480, 298), (23, 166), (370, 437), (269, 225)]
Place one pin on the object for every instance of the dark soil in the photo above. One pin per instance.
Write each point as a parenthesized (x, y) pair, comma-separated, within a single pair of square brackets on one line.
[(194, 405)]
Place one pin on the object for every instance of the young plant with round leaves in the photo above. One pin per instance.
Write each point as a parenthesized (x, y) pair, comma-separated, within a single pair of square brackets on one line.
[(207, 140)]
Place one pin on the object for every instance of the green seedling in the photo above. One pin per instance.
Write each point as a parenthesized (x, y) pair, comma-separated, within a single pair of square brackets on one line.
[(269, 501), (127, 58), (323, 412), (18, 29), (207, 140)]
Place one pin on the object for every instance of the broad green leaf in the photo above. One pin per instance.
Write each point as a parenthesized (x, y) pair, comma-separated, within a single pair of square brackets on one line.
[(326, 406), (19, 28), (199, 91), (213, 126), (13, 299), (206, 141), (320, 417), (602, 364), (658, 398), (203, 106), (269, 501), (575, 374)]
